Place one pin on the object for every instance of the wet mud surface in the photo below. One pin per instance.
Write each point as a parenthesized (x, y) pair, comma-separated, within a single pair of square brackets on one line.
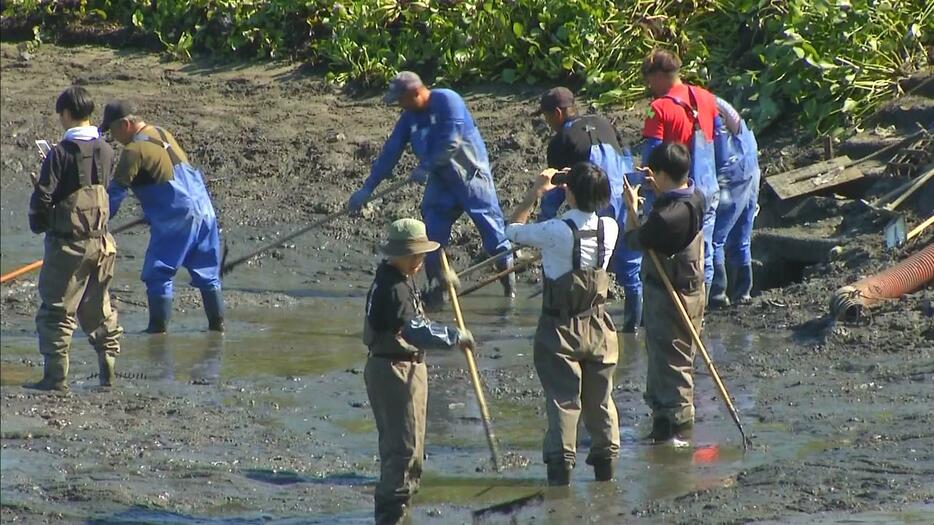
[(269, 423)]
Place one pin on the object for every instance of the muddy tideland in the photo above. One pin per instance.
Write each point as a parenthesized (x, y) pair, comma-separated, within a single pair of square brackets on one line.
[(269, 423)]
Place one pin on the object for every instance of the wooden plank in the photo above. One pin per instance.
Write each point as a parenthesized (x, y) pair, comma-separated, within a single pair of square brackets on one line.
[(814, 178)]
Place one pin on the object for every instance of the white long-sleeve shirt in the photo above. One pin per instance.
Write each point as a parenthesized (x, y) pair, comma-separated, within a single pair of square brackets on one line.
[(556, 241)]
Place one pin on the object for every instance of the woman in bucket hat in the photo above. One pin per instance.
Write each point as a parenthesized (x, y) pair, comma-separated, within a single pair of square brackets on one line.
[(397, 332)]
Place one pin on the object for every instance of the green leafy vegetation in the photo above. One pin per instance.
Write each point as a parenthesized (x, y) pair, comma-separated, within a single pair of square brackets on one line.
[(828, 61)]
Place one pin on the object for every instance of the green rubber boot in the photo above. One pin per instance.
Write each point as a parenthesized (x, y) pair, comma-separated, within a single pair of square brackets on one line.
[(54, 374)]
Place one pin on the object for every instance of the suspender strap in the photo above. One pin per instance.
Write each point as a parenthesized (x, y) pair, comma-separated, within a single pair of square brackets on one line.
[(89, 157), (601, 249), (578, 235), (691, 108), (576, 250), (164, 144)]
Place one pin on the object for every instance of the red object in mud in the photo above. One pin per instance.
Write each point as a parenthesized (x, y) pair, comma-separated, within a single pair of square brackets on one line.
[(905, 277), (708, 454)]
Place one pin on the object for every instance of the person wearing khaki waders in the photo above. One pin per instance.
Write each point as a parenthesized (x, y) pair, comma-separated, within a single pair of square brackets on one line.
[(397, 333), (674, 230), (575, 349), (69, 204)]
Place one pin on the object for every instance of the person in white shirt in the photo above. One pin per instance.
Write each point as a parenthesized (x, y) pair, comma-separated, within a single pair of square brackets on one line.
[(575, 349)]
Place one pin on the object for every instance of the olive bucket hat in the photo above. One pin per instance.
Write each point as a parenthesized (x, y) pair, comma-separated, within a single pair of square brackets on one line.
[(407, 237)]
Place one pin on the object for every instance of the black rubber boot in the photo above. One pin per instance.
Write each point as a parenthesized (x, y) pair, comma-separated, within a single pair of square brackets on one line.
[(160, 311), (106, 369), (54, 375), (508, 281), (717, 297), (213, 301), (662, 430), (603, 469), (390, 514), (742, 284), (632, 312), (559, 474)]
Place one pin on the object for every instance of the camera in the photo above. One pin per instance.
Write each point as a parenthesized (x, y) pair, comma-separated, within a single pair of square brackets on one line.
[(560, 178)]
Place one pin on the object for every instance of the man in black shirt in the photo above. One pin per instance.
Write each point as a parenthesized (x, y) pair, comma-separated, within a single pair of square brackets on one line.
[(673, 230), (69, 205), (397, 333), (593, 138)]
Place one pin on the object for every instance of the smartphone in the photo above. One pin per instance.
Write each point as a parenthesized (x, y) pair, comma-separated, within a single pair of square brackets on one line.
[(44, 147)]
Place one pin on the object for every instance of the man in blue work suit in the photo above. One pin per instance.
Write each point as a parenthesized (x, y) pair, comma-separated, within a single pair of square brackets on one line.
[(738, 175), (453, 162), (176, 204), (593, 138)]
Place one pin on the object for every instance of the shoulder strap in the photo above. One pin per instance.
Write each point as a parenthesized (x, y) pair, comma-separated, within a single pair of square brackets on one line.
[(164, 144), (87, 160), (690, 109), (576, 249), (601, 249)]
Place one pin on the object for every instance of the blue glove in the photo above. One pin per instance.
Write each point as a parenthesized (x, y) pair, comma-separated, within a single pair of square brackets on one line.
[(419, 175), (358, 199)]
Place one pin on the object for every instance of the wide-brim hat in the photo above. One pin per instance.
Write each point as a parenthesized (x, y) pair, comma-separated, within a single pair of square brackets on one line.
[(407, 237)]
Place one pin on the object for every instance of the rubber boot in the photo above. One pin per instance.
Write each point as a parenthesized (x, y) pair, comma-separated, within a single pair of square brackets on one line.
[(107, 372), (54, 374), (559, 474), (214, 308), (717, 297), (434, 297), (160, 311), (632, 312), (742, 284), (390, 514), (509, 285), (603, 470)]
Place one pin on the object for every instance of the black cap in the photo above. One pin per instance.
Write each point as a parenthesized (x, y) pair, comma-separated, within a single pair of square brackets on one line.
[(554, 98), (114, 111)]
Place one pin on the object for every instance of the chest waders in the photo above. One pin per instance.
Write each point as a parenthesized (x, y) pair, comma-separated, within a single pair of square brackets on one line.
[(183, 232), (669, 389), (575, 352), (76, 274), (396, 380), (704, 175)]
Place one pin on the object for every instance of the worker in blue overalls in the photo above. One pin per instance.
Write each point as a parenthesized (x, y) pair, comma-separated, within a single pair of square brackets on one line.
[(453, 162), (182, 224), (593, 138), (738, 176)]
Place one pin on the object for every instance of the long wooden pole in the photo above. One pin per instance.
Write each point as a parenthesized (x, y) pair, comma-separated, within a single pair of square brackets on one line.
[(472, 367), (35, 265), (678, 301)]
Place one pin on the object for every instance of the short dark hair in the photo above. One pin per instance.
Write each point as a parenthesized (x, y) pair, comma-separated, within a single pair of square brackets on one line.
[(661, 60), (672, 158), (589, 185), (77, 101)]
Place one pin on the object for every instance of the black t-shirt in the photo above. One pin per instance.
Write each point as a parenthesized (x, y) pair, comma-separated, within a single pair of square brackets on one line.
[(392, 300), (674, 221), (572, 143)]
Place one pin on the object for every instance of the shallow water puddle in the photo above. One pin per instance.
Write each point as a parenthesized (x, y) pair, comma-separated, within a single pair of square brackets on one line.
[(302, 367)]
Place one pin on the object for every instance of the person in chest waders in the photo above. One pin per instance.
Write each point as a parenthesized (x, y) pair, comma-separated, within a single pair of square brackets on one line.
[(673, 229), (687, 115), (397, 333), (575, 350), (738, 176), (183, 227), (69, 204), (593, 138), (454, 165)]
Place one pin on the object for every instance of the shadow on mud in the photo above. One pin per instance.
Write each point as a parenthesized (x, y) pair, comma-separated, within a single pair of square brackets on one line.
[(146, 516)]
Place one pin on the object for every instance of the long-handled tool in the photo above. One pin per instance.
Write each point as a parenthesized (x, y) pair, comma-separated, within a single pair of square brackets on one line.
[(495, 277), (226, 267), (38, 264), (686, 320), (485, 262), (472, 367)]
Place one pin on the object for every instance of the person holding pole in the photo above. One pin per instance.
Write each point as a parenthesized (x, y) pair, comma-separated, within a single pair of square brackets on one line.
[(397, 333), (575, 349), (673, 230), (454, 166), (69, 205)]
